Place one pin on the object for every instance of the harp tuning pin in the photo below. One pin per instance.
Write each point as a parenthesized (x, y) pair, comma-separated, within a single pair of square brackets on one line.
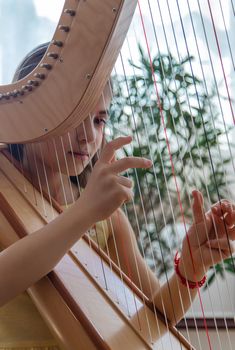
[(53, 55), (46, 65), (70, 12), (28, 87), (64, 28), (15, 93), (39, 76), (33, 82), (57, 43), (114, 9)]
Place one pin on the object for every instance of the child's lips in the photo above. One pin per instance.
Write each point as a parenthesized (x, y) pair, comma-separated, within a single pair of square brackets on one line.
[(80, 155)]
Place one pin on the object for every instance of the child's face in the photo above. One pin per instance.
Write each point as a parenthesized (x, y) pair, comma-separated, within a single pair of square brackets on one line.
[(71, 153)]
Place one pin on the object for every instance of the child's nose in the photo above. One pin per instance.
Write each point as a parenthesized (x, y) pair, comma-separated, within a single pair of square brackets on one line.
[(87, 131)]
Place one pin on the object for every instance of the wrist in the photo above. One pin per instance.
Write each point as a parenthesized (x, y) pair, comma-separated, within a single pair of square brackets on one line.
[(187, 271), (192, 280), (79, 218)]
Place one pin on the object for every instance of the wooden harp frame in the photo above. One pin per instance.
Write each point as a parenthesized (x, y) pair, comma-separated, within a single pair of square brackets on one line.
[(59, 97), (65, 87)]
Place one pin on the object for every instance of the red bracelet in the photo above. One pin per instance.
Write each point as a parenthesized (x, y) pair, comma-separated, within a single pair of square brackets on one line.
[(184, 281)]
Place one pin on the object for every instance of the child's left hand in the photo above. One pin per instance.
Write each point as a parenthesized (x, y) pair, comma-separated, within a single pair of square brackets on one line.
[(209, 240)]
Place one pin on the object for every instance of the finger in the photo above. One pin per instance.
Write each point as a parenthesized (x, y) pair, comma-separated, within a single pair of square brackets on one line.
[(222, 244), (198, 210), (128, 194), (222, 207), (124, 181), (224, 226), (230, 219), (213, 256), (231, 233), (130, 162), (108, 152), (220, 228)]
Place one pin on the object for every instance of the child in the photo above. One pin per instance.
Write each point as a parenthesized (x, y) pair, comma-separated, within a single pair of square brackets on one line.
[(71, 157)]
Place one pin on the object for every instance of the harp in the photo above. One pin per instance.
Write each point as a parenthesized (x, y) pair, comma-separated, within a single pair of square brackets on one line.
[(86, 305)]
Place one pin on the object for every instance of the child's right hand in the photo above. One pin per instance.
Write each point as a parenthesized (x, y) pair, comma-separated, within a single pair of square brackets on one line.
[(106, 190)]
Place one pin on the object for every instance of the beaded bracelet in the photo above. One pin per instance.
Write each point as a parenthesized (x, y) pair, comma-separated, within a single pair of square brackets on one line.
[(184, 281)]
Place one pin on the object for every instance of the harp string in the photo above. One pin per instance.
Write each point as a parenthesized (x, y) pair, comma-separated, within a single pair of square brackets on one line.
[(178, 55), (204, 129), (97, 238), (60, 173), (105, 103), (21, 168), (94, 268), (38, 178), (68, 181), (233, 8), (166, 181), (219, 151), (178, 144), (163, 168), (203, 122), (96, 233), (159, 152), (138, 228), (76, 171), (46, 179), (173, 169), (210, 108), (215, 179), (221, 62), (28, 165), (67, 170), (226, 32), (133, 249), (74, 164), (230, 301), (54, 189), (214, 78), (116, 250), (80, 190), (211, 60), (152, 210), (154, 170)]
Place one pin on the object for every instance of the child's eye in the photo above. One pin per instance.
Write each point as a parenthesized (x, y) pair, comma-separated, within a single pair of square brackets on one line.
[(100, 121)]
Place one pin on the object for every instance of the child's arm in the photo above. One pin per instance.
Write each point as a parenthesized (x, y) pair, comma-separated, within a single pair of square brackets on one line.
[(166, 297), (32, 257), (173, 298)]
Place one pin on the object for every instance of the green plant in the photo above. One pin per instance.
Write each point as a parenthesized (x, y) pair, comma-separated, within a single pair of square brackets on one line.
[(195, 139)]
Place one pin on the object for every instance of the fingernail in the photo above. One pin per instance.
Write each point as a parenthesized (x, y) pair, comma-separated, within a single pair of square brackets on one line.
[(148, 162)]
